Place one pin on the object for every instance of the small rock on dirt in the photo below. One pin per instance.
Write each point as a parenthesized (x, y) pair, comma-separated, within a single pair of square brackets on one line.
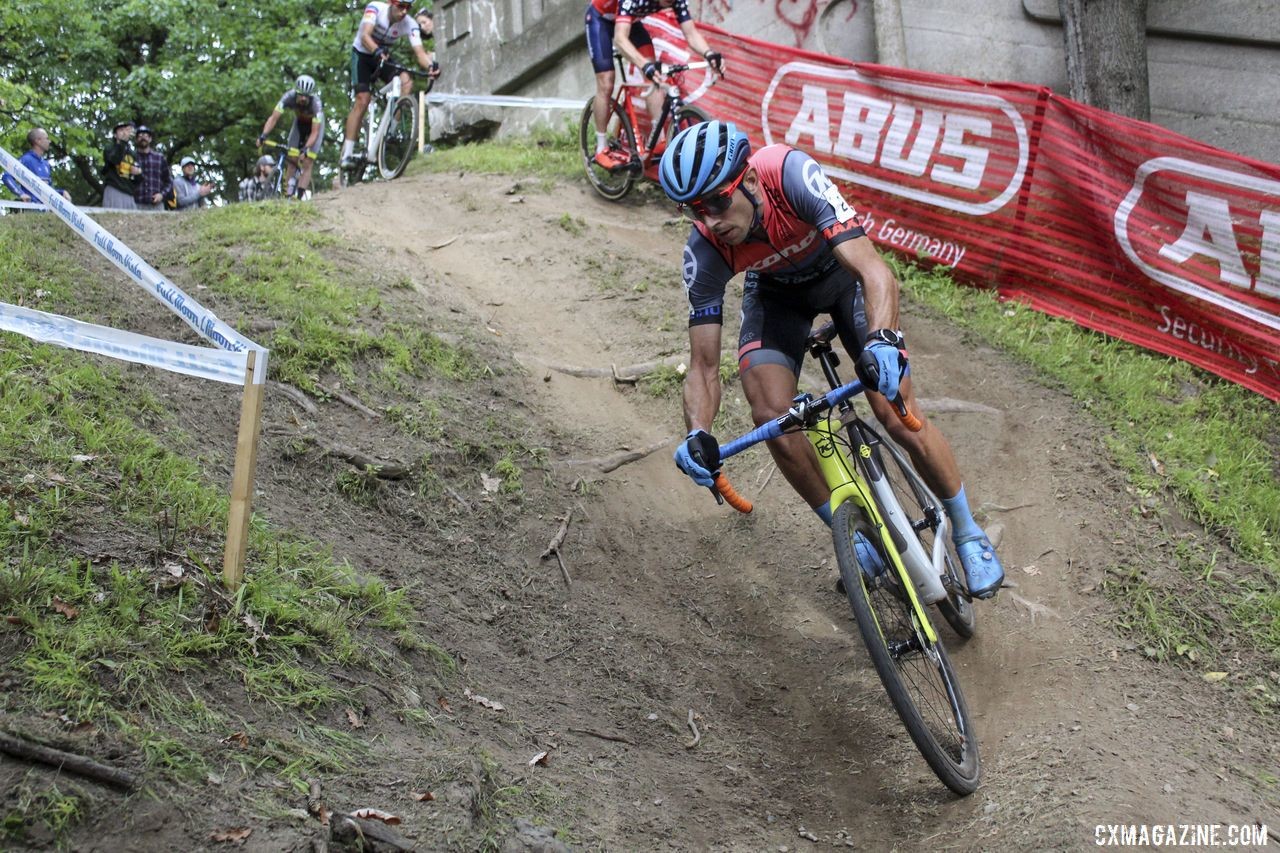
[(531, 838)]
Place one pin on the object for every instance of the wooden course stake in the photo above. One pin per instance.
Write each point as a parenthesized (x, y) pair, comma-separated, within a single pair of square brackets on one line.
[(242, 476)]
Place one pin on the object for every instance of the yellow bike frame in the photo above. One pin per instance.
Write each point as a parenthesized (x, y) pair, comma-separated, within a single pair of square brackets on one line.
[(847, 483)]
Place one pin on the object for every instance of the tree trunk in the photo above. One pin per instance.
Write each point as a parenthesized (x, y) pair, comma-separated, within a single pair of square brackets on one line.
[(1106, 46)]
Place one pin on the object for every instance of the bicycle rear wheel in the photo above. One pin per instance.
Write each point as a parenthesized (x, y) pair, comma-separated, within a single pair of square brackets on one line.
[(916, 673), (925, 512), (402, 135), (612, 185)]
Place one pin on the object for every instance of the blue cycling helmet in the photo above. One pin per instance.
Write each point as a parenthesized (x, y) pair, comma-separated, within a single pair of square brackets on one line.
[(701, 158)]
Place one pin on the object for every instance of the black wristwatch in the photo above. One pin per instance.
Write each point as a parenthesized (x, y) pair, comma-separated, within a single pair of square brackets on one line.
[(892, 337)]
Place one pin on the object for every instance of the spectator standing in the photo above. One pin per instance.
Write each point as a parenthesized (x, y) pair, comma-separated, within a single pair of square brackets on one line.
[(262, 184), (38, 146), (120, 171), (191, 193), (155, 181)]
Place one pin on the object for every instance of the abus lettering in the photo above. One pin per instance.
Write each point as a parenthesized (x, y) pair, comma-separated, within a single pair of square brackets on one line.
[(894, 137), (1202, 256)]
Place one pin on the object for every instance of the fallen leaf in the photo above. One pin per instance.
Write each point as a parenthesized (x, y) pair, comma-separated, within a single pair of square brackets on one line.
[(1031, 569), (422, 796), (1156, 464), (65, 609), (83, 457), (443, 704), (1214, 676), (174, 569), (490, 484), (237, 739), (540, 758), (480, 700), (14, 620), (234, 836), (354, 719), (376, 814)]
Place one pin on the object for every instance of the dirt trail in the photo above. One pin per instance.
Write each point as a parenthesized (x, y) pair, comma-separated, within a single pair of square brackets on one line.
[(678, 604)]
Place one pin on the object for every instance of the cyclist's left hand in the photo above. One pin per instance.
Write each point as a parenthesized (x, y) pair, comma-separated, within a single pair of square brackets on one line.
[(262, 137), (715, 60), (434, 71), (889, 363)]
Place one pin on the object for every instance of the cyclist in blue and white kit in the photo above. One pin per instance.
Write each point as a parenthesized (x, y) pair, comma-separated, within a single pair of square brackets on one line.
[(777, 217), (382, 25), (305, 134)]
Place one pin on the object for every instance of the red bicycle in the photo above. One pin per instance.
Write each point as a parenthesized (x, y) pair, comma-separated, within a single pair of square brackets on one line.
[(632, 132)]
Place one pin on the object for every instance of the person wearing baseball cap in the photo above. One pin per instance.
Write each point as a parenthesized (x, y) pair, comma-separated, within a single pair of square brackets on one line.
[(191, 193), (155, 182), (120, 170)]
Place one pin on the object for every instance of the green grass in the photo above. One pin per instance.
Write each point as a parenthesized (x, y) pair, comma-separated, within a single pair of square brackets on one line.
[(1208, 445), (273, 260), (115, 613), (546, 155)]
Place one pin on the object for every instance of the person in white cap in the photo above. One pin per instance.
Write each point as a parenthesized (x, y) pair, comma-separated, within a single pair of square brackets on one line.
[(191, 193)]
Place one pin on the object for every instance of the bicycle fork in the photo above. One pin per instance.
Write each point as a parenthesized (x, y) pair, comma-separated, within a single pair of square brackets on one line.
[(845, 485)]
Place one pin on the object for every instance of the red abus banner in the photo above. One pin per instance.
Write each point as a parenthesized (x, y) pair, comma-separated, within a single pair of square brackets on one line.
[(1117, 224)]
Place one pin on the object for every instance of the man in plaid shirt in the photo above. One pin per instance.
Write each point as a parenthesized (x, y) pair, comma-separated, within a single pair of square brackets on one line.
[(156, 180)]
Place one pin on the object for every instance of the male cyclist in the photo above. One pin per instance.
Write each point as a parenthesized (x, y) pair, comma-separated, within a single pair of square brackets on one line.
[(617, 22), (381, 26), (775, 215), (308, 125)]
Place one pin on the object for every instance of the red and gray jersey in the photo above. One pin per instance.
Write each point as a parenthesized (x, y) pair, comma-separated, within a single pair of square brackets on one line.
[(631, 10), (385, 33), (800, 217)]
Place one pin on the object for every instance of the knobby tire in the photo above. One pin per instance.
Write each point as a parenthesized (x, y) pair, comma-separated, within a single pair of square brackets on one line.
[(610, 185), (919, 502), (402, 135), (921, 684)]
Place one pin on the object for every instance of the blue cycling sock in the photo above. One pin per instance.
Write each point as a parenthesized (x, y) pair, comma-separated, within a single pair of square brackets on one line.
[(962, 524), (824, 513)]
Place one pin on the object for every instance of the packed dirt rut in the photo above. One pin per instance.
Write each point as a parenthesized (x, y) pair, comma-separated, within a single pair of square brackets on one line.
[(680, 605)]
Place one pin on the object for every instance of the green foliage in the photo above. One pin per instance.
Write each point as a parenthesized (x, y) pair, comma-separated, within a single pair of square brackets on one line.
[(204, 75)]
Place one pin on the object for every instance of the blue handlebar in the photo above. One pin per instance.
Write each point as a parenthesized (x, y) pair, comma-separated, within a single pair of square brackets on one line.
[(777, 427)]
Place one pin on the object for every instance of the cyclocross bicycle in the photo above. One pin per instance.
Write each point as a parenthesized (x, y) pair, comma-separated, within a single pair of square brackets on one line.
[(644, 151), (288, 155), (893, 547), (391, 138)]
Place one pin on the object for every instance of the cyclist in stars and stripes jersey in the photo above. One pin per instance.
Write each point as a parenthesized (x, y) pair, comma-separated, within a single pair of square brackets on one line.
[(617, 23)]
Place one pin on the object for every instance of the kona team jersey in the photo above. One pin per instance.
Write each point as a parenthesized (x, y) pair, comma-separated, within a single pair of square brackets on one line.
[(802, 216), (384, 32)]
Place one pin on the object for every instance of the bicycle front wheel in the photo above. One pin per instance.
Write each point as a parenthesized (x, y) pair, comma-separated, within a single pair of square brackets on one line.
[(399, 140), (925, 514), (916, 673), (354, 175), (612, 184), (688, 116)]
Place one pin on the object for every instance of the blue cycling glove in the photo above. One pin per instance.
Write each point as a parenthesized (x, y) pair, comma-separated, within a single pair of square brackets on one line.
[(699, 457), (883, 362)]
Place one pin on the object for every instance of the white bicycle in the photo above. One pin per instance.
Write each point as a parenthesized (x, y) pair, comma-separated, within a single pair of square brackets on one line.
[(391, 129)]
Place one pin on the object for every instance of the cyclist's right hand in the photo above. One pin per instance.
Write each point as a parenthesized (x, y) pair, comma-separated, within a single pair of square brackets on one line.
[(715, 60), (699, 457), (652, 71)]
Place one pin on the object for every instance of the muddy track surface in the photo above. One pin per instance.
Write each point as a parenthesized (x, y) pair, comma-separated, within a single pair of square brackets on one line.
[(678, 606)]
